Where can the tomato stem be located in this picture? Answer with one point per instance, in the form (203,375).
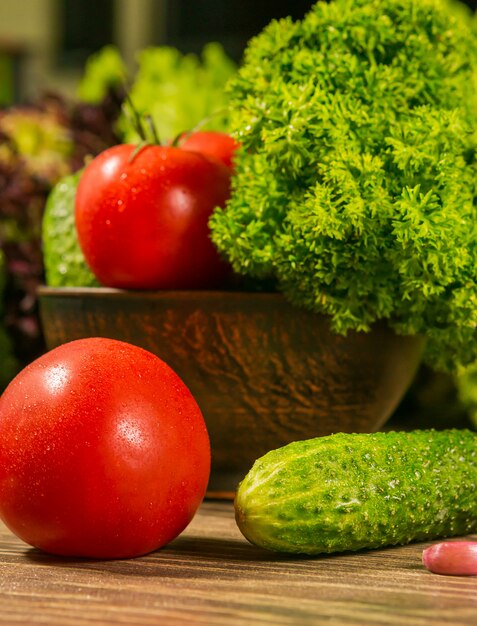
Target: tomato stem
(153,130)
(137,150)
(175,141)
(135,119)
(206,120)
(197,127)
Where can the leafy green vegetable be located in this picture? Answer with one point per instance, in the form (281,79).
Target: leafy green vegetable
(39,137)
(179,91)
(356,187)
(39,144)
(103,71)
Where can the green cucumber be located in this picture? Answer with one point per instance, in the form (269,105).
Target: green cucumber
(65,265)
(358,491)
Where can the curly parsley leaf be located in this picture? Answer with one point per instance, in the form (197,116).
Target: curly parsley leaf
(356,185)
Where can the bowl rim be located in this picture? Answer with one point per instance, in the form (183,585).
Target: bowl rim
(267,299)
(45,291)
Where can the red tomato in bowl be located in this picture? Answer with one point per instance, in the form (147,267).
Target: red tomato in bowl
(103,451)
(219,145)
(142,217)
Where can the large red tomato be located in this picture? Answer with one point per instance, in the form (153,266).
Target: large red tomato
(142,217)
(103,451)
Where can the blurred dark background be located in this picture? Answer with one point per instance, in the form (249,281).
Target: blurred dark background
(232,23)
(185,24)
(46,42)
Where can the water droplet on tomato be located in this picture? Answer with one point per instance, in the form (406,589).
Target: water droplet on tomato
(56,378)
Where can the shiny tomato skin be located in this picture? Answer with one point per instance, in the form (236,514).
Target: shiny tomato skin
(104,452)
(218,145)
(142,218)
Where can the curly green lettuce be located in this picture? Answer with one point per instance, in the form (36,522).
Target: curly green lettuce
(356,184)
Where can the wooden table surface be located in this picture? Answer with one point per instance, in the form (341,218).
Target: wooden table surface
(211,575)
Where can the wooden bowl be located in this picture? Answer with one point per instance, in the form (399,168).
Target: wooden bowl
(263,372)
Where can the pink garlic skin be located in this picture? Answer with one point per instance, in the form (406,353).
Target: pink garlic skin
(454,558)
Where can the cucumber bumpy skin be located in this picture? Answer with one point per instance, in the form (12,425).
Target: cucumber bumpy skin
(358,491)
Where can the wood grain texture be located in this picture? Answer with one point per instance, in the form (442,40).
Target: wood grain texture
(211,576)
(263,372)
